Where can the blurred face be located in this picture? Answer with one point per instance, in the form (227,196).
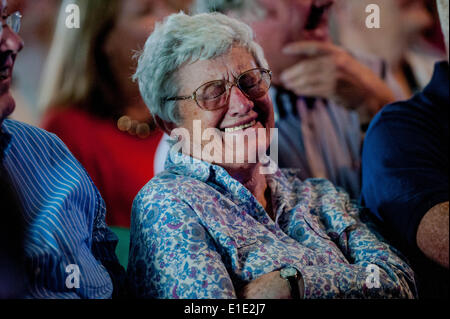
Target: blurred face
(239,117)
(289,21)
(10,45)
(135,22)
(402,22)
(38,26)
(414,17)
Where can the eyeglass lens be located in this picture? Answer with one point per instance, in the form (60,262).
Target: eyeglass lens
(254,84)
(13,21)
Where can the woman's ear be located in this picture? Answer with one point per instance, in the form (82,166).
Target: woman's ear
(167,127)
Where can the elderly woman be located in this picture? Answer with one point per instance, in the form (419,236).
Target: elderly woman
(208,227)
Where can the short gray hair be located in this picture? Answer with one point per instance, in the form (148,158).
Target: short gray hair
(182,39)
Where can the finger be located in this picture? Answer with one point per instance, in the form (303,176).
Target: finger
(310,48)
(307,68)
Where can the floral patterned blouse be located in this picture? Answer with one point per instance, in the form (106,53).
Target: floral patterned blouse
(198,233)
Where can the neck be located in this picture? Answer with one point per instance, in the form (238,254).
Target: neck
(248,176)
(255,182)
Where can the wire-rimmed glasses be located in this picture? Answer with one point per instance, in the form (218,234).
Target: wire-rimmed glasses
(214,95)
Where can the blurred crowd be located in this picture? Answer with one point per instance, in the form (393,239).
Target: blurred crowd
(78,83)
(409,41)
(87,81)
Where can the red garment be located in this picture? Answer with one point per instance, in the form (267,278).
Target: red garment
(119,164)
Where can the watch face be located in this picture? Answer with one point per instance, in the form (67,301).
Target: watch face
(288,272)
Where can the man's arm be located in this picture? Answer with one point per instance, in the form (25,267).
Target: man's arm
(374,269)
(104,243)
(405,179)
(433,234)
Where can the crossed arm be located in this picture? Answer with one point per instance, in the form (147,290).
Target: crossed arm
(177,258)
(363,247)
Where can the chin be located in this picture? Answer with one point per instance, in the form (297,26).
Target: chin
(244,155)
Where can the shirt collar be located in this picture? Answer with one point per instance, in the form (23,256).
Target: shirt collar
(219,178)
(185,165)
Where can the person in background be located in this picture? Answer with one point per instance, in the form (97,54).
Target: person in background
(93,105)
(322,95)
(405,176)
(63,212)
(36,31)
(399,41)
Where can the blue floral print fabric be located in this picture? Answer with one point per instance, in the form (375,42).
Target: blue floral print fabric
(198,233)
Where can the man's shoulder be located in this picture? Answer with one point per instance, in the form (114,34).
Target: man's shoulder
(413,115)
(37,146)
(400,108)
(29,133)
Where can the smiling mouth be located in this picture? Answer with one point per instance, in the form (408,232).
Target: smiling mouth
(240,127)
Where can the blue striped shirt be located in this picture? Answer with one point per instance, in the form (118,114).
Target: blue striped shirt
(64,217)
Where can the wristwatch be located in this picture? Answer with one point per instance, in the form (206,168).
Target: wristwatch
(292,276)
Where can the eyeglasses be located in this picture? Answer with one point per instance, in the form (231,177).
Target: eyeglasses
(13,21)
(214,95)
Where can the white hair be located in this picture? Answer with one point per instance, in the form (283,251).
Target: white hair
(182,39)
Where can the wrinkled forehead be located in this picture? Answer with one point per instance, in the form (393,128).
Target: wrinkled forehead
(224,67)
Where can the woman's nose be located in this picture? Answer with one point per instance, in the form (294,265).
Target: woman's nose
(10,41)
(239,103)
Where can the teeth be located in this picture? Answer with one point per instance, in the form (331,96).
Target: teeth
(240,127)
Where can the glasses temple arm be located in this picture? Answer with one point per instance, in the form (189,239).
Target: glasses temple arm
(180,98)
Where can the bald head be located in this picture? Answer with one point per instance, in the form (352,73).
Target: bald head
(443,15)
